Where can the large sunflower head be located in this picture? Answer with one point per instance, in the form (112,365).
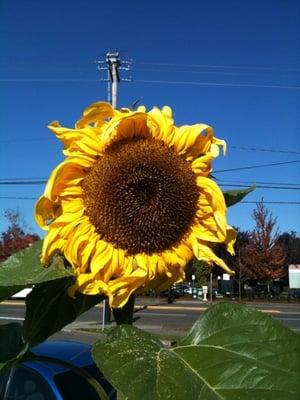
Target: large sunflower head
(133,201)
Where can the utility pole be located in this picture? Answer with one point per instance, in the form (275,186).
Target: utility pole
(113,65)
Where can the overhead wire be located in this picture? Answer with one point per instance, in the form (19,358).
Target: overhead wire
(262,186)
(255,166)
(264,68)
(257,182)
(263,149)
(197,83)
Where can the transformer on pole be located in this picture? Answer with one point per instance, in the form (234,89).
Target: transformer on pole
(113,67)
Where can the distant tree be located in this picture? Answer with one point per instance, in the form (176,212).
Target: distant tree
(14,238)
(291,244)
(237,261)
(201,271)
(264,257)
(242,240)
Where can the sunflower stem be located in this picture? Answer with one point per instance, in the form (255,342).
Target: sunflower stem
(124,315)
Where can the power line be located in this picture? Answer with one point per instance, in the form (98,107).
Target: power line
(269,202)
(194,83)
(23,182)
(196,72)
(18,198)
(215,84)
(256,166)
(213,66)
(264,149)
(263,186)
(71,80)
(257,182)
(267,68)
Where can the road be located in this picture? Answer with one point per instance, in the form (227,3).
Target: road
(153,315)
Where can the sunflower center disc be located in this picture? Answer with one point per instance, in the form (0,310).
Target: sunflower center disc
(141,196)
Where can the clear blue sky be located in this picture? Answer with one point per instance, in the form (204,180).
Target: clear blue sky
(232,64)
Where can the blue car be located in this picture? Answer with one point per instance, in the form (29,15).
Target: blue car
(44,380)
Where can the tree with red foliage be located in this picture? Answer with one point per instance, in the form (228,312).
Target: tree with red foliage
(14,238)
(264,257)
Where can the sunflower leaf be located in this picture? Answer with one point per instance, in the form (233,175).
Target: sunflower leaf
(232,353)
(12,346)
(49,308)
(234,196)
(24,269)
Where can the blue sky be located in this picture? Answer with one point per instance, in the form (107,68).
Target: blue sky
(231,64)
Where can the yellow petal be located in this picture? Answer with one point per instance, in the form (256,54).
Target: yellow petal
(102,256)
(205,253)
(45,211)
(51,244)
(202,165)
(161,124)
(132,126)
(212,190)
(187,136)
(85,141)
(79,238)
(230,240)
(60,177)
(207,233)
(96,113)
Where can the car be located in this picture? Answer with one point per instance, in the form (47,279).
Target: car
(295,294)
(65,377)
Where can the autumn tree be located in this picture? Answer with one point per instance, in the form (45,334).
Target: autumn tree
(14,238)
(264,257)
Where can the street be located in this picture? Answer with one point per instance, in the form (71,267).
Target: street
(152,314)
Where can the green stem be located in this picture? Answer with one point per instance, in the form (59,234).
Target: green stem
(124,315)
(80,371)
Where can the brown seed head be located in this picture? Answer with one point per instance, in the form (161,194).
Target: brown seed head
(141,196)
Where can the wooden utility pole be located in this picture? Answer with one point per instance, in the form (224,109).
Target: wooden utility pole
(113,65)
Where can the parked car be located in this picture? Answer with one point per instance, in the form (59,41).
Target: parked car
(295,294)
(44,380)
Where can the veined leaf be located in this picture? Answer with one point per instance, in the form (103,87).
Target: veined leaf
(12,345)
(24,269)
(234,196)
(232,353)
(49,308)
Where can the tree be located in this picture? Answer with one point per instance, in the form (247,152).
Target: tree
(264,257)
(201,271)
(291,244)
(14,238)
(236,262)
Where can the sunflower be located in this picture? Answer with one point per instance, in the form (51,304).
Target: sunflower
(133,201)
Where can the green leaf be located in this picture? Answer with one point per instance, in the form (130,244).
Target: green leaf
(232,353)
(128,360)
(49,308)
(24,269)
(234,196)
(12,345)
